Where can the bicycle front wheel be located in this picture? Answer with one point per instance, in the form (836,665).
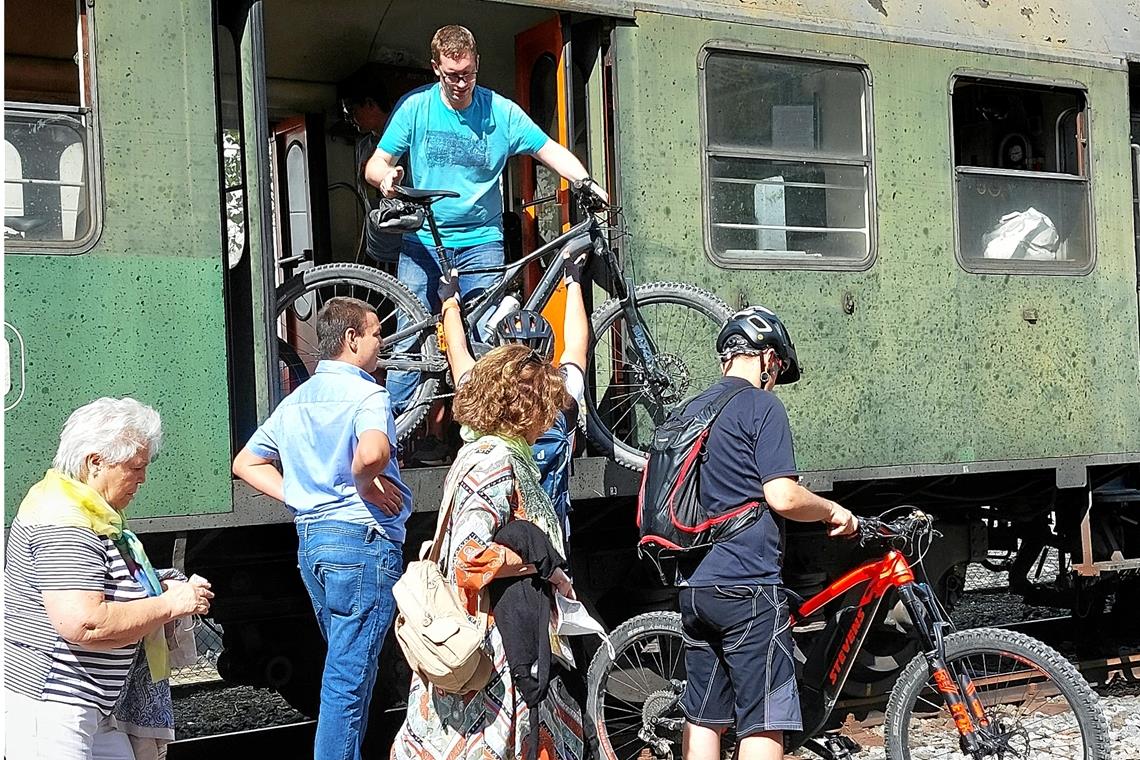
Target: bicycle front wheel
(624,403)
(1037,706)
(300,297)
(634,697)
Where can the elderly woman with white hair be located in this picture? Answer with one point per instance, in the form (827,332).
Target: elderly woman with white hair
(81,594)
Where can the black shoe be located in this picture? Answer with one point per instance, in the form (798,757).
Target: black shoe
(431,451)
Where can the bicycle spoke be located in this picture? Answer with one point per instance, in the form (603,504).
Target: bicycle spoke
(302,297)
(682,336)
(1028,715)
(655,653)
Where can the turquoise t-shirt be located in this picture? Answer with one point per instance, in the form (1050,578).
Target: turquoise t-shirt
(465,151)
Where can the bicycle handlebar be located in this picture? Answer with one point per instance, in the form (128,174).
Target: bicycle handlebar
(899,533)
(584,193)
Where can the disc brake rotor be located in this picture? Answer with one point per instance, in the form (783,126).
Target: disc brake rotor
(676,370)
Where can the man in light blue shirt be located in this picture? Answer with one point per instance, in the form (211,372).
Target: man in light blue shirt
(458,137)
(334,438)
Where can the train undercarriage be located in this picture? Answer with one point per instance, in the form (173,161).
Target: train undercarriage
(1020,523)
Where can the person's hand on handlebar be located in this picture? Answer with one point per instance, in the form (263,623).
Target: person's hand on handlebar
(596,189)
(391,178)
(841,522)
(588,187)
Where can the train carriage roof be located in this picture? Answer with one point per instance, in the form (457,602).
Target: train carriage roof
(1102,31)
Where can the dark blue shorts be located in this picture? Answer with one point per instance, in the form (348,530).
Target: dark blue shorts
(738,659)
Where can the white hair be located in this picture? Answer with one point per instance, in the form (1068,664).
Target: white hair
(114,428)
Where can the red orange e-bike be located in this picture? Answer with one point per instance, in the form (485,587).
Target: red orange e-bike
(976,693)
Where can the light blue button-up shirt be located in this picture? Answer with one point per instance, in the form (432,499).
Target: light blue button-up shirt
(314,432)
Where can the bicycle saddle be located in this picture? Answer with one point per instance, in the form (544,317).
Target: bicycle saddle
(415,194)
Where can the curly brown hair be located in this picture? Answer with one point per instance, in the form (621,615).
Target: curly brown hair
(511,391)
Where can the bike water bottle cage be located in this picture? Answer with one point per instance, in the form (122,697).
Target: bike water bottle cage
(528,328)
(396,216)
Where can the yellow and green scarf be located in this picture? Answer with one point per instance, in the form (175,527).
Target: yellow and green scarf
(65,502)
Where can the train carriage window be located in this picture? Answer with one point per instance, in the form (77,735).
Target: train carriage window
(232,146)
(1021,177)
(787,154)
(49,183)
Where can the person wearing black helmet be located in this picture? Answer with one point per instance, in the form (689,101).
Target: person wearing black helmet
(738,644)
(554,448)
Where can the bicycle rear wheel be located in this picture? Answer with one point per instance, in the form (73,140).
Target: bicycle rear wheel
(622,409)
(1036,703)
(300,297)
(633,698)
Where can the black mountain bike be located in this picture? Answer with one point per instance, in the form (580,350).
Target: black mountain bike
(978,693)
(652,344)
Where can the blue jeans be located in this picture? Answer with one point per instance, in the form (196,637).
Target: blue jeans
(349,570)
(419,270)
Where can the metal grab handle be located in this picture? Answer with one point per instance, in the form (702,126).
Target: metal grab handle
(305,255)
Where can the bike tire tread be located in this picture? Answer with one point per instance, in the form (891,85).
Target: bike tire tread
(649,622)
(689,295)
(372,278)
(1082,698)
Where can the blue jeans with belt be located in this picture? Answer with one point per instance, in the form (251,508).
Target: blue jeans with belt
(419,270)
(349,570)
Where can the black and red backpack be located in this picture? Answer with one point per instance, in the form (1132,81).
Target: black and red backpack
(672,521)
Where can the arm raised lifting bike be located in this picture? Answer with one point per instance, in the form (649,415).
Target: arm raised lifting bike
(652,344)
(978,693)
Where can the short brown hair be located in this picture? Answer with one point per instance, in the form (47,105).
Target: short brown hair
(511,391)
(453,41)
(334,319)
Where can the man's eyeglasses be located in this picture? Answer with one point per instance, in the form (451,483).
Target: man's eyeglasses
(457,78)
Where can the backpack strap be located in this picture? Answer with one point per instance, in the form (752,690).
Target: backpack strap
(717,405)
(451,485)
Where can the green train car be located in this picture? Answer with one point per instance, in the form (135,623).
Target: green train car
(940,200)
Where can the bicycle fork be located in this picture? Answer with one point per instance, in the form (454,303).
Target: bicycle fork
(657,381)
(956,689)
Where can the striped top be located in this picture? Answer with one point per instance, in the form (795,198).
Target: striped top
(38,662)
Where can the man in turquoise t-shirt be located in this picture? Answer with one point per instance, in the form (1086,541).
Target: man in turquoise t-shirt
(458,137)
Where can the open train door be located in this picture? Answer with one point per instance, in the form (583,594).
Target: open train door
(542,89)
(302,229)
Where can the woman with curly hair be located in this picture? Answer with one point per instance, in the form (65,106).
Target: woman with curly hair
(511,397)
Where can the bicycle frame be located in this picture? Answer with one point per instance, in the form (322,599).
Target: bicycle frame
(833,655)
(486,301)
(586,233)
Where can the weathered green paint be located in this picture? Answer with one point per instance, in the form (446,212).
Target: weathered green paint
(1104,30)
(141,314)
(936,365)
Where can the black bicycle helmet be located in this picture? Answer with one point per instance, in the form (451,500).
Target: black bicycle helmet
(528,328)
(397,216)
(754,329)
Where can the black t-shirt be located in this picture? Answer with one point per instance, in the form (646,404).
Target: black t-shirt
(750,443)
